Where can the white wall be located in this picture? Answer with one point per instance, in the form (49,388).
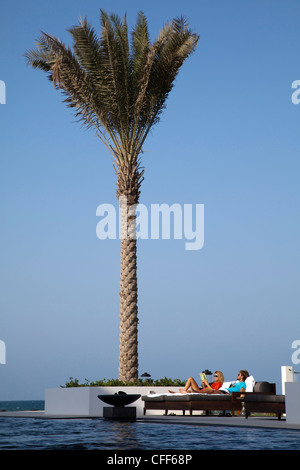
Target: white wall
(292,402)
(84,401)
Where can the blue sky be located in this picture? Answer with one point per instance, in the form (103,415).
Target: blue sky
(228,139)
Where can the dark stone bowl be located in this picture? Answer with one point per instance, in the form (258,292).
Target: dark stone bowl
(118,399)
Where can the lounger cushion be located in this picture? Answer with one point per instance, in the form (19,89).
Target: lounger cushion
(187,397)
(227,385)
(263,387)
(250,382)
(181,397)
(153,398)
(212,397)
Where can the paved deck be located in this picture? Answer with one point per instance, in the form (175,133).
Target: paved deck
(236,421)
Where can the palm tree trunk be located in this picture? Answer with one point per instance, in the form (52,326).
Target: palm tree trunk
(128,359)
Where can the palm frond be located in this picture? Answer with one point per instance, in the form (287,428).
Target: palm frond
(87,48)
(76,85)
(123,70)
(173,48)
(140,44)
(112,65)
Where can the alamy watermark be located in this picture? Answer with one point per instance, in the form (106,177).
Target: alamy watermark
(296,353)
(2,92)
(160,221)
(296,94)
(2,352)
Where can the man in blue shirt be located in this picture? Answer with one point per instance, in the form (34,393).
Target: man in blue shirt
(239,386)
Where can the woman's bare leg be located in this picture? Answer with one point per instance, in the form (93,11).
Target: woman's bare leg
(190,386)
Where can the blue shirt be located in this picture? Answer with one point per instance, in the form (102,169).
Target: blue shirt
(236,387)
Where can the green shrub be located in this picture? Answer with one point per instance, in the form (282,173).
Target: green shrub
(165,382)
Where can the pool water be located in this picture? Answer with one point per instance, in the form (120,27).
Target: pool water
(99,434)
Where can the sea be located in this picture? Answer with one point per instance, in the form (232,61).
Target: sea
(23,405)
(99,434)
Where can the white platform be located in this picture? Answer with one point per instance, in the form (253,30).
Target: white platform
(292,402)
(84,401)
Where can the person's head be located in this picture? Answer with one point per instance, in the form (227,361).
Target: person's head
(219,377)
(243,374)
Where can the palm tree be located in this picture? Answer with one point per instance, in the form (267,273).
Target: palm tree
(118,84)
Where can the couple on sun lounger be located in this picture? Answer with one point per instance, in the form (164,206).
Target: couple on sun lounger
(191,385)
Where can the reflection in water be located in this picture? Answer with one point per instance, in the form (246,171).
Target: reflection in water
(119,435)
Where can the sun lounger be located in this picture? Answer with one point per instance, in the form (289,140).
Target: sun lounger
(263,403)
(263,398)
(192,402)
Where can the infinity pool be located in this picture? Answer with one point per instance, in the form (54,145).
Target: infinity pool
(99,434)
